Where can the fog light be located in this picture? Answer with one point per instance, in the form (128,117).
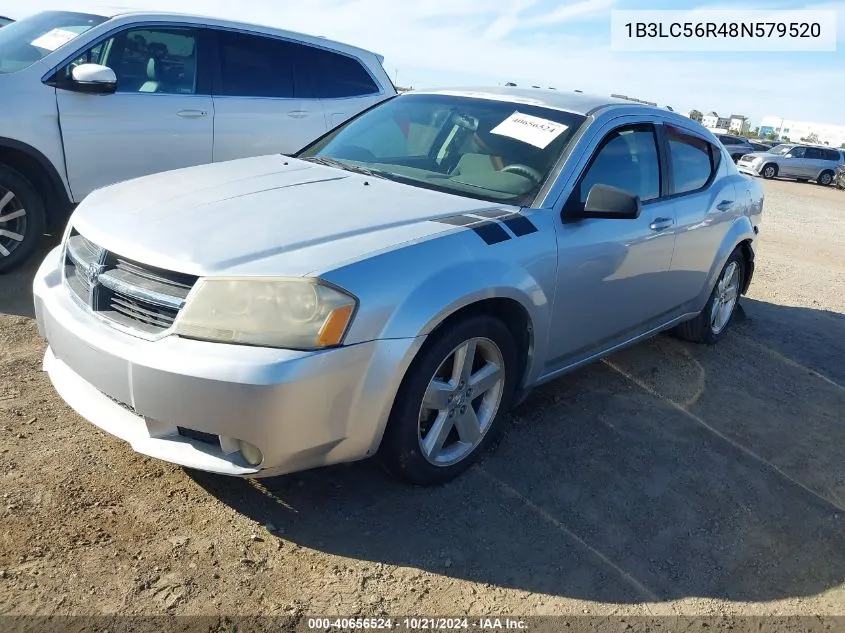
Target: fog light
(252,454)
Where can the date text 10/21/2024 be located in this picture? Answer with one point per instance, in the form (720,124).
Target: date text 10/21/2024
(416,623)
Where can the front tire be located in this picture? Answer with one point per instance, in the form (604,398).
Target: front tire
(22,219)
(769,171)
(450,405)
(714,320)
(825,178)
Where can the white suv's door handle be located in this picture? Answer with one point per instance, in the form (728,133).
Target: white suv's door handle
(724,205)
(298,114)
(661,224)
(192,114)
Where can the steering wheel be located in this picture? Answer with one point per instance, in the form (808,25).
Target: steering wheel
(524,170)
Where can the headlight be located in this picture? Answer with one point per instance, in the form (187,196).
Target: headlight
(270,312)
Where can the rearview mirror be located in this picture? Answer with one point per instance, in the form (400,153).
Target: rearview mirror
(93,79)
(605,201)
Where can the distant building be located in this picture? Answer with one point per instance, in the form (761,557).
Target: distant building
(735,123)
(712,121)
(827,133)
(739,124)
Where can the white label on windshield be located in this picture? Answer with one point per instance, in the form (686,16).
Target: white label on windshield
(53,39)
(530,129)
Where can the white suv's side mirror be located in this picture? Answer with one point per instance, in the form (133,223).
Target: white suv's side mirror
(93,78)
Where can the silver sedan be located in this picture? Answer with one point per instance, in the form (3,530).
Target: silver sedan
(394,288)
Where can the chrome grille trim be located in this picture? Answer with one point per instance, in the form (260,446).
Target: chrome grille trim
(118,282)
(139,299)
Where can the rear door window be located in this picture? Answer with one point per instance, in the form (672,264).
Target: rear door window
(255,66)
(693,160)
(334,75)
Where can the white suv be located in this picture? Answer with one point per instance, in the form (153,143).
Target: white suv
(89,100)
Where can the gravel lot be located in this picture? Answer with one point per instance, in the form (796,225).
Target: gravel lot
(671,478)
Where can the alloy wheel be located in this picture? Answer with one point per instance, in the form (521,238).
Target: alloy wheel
(461,401)
(825,179)
(727,294)
(12,222)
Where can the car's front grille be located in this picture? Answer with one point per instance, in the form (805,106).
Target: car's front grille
(134,295)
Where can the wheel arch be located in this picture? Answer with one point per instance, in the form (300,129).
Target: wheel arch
(826,170)
(773,164)
(509,311)
(740,235)
(42,174)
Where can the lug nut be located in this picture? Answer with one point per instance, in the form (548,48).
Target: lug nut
(463,409)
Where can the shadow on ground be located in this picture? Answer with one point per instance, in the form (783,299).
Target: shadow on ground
(670,470)
(16,286)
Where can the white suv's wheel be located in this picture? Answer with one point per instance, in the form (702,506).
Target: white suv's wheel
(21,219)
(769,171)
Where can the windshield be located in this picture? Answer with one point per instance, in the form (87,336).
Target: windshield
(780,149)
(29,40)
(480,148)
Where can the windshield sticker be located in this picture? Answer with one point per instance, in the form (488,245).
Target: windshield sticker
(530,129)
(53,39)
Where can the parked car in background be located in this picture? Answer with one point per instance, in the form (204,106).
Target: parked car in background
(788,160)
(88,100)
(396,286)
(4,21)
(736,145)
(761,147)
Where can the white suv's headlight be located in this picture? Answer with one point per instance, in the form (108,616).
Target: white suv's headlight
(270,312)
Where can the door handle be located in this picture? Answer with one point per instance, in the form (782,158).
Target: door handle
(192,114)
(661,224)
(724,205)
(298,114)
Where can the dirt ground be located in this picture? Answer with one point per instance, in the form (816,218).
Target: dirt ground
(670,479)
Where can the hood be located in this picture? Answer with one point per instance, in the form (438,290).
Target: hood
(229,217)
(757,155)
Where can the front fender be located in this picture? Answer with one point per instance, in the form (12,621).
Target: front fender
(448,290)
(409,291)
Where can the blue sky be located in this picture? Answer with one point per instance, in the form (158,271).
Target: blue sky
(565,44)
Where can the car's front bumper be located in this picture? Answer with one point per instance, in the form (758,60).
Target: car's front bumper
(747,168)
(301,409)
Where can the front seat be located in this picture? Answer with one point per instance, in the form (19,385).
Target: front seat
(152,84)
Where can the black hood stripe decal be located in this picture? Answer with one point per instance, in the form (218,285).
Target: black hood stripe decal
(492,230)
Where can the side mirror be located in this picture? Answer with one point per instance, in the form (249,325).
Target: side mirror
(93,79)
(605,201)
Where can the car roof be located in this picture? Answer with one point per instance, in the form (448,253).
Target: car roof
(113,12)
(575,102)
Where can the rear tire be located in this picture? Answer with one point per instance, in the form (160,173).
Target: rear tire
(825,178)
(444,418)
(769,171)
(715,319)
(22,219)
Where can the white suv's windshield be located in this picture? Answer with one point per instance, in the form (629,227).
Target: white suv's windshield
(29,40)
(480,148)
(780,149)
